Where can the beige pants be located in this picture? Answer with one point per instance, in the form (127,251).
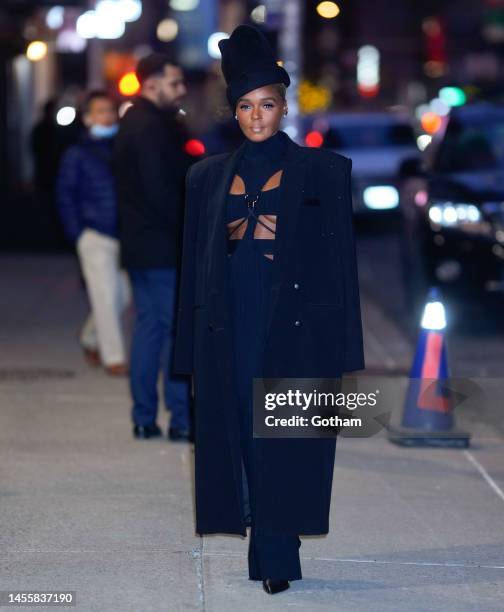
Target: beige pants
(109,294)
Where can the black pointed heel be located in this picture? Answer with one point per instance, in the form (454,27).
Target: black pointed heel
(275,586)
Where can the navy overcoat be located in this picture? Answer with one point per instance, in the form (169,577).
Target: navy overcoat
(313,330)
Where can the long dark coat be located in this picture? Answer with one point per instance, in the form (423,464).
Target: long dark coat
(314,330)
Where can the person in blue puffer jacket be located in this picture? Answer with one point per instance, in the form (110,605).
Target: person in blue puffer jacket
(87,204)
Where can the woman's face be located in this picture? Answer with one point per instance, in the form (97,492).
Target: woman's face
(259,112)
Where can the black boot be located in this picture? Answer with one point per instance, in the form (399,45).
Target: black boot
(275,586)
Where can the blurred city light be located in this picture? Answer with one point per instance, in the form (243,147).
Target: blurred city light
(449,213)
(66,115)
(439,106)
(36,50)
(194,147)
(452,96)
(109,22)
(184,5)
(423,141)
(129,10)
(368,71)
(421,196)
(431,122)
(328,10)
(381,197)
(313,97)
(213,46)
(421,109)
(86,25)
(435,46)
(167,30)
(129,85)
(258,15)
(314,139)
(55,17)
(68,41)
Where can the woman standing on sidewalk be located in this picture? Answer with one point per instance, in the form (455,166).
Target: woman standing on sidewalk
(269,289)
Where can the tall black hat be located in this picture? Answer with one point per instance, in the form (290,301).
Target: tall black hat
(248,62)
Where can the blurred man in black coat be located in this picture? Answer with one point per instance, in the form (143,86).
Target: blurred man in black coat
(151,166)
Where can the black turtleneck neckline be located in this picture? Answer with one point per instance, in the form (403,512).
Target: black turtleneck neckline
(271,148)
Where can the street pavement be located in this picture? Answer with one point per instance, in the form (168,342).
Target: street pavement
(84,507)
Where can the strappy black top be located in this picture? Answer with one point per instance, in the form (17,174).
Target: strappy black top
(260,161)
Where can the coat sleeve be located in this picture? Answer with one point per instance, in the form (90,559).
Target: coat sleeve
(183,354)
(67,194)
(354,351)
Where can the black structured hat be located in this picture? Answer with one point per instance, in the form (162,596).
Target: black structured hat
(248,62)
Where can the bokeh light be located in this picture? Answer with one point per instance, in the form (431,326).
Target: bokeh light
(328,9)
(314,139)
(431,122)
(36,50)
(258,15)
(66,115)
(184,5)
(55,17)
(452,96)
(213,44)
(129,85)
(423,141)
(167,30)
(194,147)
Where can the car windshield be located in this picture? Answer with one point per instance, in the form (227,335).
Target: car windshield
(369,136)
(476,144)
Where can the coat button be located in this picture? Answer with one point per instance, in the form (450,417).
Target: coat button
(296,285)
(297,323)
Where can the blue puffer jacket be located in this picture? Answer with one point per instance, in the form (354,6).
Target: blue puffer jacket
(85,188)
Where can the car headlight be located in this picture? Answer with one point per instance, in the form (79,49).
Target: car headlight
(449,214)
(381,197)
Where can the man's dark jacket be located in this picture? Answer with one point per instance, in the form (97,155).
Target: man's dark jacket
(85,188)
(150,168)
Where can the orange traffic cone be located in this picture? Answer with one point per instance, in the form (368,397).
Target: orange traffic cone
(428,418)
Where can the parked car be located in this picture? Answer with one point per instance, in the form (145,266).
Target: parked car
(377,143)
(452,204)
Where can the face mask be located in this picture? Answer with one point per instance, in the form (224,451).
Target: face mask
(104,131)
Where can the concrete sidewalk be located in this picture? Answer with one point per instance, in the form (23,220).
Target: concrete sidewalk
(86,508)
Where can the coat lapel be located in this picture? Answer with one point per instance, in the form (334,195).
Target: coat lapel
(291,193)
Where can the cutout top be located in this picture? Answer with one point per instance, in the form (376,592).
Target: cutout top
(253,217)
(238,185)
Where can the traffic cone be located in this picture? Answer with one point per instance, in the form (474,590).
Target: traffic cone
(428,418)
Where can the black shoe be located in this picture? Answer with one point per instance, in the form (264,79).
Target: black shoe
(275,586)
(147,431)
(180,435)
